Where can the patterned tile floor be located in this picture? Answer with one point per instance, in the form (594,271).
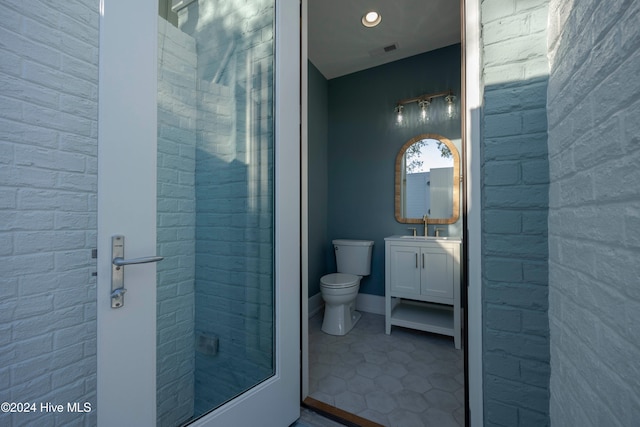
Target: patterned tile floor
(406,379)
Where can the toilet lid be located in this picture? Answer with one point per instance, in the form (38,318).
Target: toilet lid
(339,280)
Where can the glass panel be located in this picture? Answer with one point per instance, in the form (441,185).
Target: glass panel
(215,204)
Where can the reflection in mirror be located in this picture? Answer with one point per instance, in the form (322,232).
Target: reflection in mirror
(428,181)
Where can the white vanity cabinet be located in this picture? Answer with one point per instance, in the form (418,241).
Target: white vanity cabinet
(422,284)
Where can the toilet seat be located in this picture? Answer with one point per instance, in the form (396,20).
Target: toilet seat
(339,280)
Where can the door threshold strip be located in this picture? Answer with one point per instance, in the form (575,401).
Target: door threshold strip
(337,414)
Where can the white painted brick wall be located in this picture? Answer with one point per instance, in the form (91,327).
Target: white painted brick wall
(594,215)
(48,173)
(514,212)
(176,224)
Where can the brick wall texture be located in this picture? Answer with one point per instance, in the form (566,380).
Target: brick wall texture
(234,198)
(560,210)
(176,223)
(515,180)
(220,137)
(594,212)
(48,176)
(215,208)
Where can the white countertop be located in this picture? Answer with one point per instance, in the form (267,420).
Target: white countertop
(424,238)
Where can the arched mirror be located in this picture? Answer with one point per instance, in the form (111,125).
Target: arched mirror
(428,181)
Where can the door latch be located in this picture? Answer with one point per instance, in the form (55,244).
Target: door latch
(117,269)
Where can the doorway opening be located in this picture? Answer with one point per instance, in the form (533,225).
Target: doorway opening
(466,193)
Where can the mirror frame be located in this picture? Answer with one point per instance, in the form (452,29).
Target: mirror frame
(456,181)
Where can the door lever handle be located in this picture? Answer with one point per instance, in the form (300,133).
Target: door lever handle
(117,269)
(119,261)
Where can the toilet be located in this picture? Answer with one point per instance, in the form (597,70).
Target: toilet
(339,290)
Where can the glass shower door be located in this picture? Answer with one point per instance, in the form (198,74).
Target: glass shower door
(215,331)
(199,164)
(215,218)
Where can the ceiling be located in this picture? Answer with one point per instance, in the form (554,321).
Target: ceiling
(339,44)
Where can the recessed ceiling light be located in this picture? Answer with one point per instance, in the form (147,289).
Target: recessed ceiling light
(371,19)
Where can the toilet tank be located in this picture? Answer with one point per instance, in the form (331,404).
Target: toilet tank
(353,256)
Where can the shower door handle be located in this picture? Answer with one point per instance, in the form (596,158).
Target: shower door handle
(117,269)
(121,262)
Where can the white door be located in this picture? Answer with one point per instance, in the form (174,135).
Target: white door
(199,163)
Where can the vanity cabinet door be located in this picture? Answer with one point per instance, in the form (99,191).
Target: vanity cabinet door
(405,269)
(437,272)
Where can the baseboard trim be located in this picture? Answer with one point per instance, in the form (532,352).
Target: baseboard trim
(316,304)
(370,303)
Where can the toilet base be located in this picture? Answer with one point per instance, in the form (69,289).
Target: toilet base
(354,318)
(340,319)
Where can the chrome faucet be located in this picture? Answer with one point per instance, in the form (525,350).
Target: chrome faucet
(425,218)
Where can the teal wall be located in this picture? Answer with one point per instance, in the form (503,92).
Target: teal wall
(318,180)
(361,147)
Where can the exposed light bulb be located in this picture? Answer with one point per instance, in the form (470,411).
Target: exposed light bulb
(451,108)
(424,110)
(399,116)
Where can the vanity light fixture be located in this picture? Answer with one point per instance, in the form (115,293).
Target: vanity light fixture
(425,101)
(371,19)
